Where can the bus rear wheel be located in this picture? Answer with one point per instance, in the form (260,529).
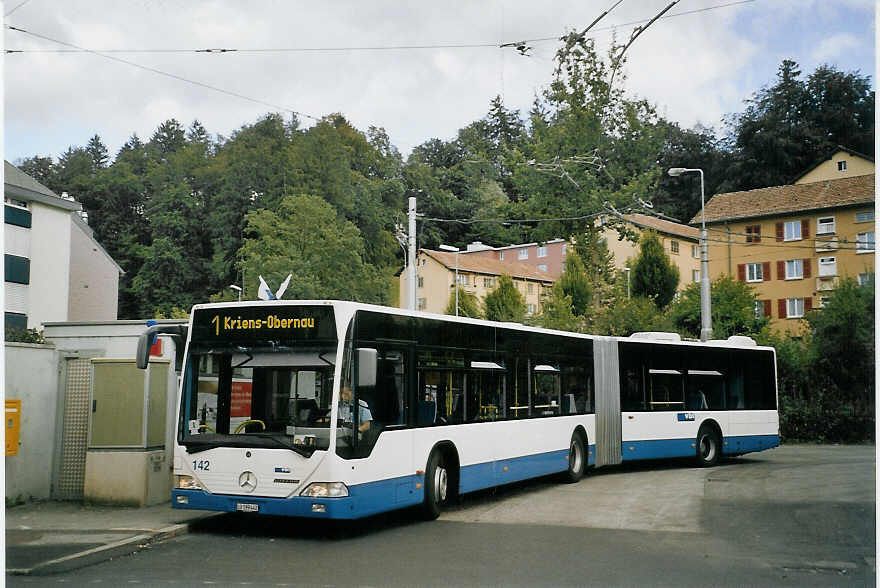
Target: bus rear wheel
(708,447)
(577,459)
(436,486)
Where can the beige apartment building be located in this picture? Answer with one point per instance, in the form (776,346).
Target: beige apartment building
(681,243)
(794,243)
(436,276)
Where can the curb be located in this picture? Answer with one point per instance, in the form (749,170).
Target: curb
(102,553)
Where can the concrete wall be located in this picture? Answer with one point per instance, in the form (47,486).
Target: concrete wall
(50,265)
(32,376)
(94,279)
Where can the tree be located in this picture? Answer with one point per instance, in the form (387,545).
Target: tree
(654,276)
(790,125)
(468,304)
(842,342)
(98,152)
(304,237)
(505,302)
(557,311)
(733,310)
(626,316)
(39,168)
(575,283)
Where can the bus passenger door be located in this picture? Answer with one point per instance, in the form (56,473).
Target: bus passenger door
(391,410)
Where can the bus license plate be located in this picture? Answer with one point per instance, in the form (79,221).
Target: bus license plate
(245,507)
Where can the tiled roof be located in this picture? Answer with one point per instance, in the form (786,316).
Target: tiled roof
(794,198)
(663,226)
(492,267)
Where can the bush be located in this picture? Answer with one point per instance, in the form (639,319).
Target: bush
(25,336)
(826,421)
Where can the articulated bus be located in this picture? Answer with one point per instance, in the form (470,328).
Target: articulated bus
(344,410)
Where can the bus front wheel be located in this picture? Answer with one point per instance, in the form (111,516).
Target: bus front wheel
(708,447)
(436,486)
(577,459)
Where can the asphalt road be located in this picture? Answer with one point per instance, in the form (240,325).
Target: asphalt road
(796,516)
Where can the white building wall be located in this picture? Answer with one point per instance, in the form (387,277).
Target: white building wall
(94,280)
(50,265)
(32,376)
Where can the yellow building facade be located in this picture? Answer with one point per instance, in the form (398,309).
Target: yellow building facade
(680,242)
(793,244)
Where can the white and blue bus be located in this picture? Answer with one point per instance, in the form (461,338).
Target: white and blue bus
(344,410)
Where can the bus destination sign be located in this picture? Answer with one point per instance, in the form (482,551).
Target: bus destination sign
(267,323)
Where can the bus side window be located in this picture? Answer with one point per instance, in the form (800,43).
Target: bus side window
(577,397)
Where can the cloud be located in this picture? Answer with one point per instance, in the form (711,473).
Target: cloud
(836,46)
(695,68)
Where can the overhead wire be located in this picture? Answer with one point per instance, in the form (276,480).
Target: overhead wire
(426,46)
(167,74)
(16,8)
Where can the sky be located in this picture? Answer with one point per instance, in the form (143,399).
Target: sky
(697,64)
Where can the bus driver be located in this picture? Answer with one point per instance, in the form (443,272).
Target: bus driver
(365,417)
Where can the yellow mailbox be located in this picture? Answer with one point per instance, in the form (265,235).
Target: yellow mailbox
(13,425)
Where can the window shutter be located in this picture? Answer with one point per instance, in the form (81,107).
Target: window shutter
(807,270)
(741,272)
(805,229)
(766,269)
(756,238)
(767,308)
(808,303)
(781,305)
(780,231)
(780,270)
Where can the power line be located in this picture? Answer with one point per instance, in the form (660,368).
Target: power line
(16,8)
(167,74)
(427,46)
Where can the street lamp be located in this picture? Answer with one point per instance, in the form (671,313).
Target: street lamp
(705,295)
(455,249)
(626,269)
(237,289)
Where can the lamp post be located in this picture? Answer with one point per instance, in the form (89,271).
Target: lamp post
(626,269)
(456,250)
(237,289)
(705,294)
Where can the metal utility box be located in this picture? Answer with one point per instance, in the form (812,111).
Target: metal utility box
(125,462)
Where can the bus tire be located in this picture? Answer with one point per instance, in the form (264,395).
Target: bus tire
(436,486)
(708,447)
(577,459)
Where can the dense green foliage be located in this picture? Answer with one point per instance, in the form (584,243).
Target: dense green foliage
(733,309)
(654,276)
(468,304)
(505,302)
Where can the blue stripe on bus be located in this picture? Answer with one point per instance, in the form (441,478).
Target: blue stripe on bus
(666,448)
(749,443)
(383,495)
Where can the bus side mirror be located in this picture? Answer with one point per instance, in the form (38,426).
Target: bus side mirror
(145,341)
(367,362)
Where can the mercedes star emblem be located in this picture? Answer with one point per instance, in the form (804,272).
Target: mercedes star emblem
(247,481)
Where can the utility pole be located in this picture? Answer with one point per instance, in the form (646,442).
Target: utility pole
(411,253)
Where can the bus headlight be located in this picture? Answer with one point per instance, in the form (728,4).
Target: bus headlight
(186,483)
(325,490)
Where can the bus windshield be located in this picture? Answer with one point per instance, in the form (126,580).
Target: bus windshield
(253,396)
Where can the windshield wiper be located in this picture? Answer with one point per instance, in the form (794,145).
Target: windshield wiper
(301,450)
